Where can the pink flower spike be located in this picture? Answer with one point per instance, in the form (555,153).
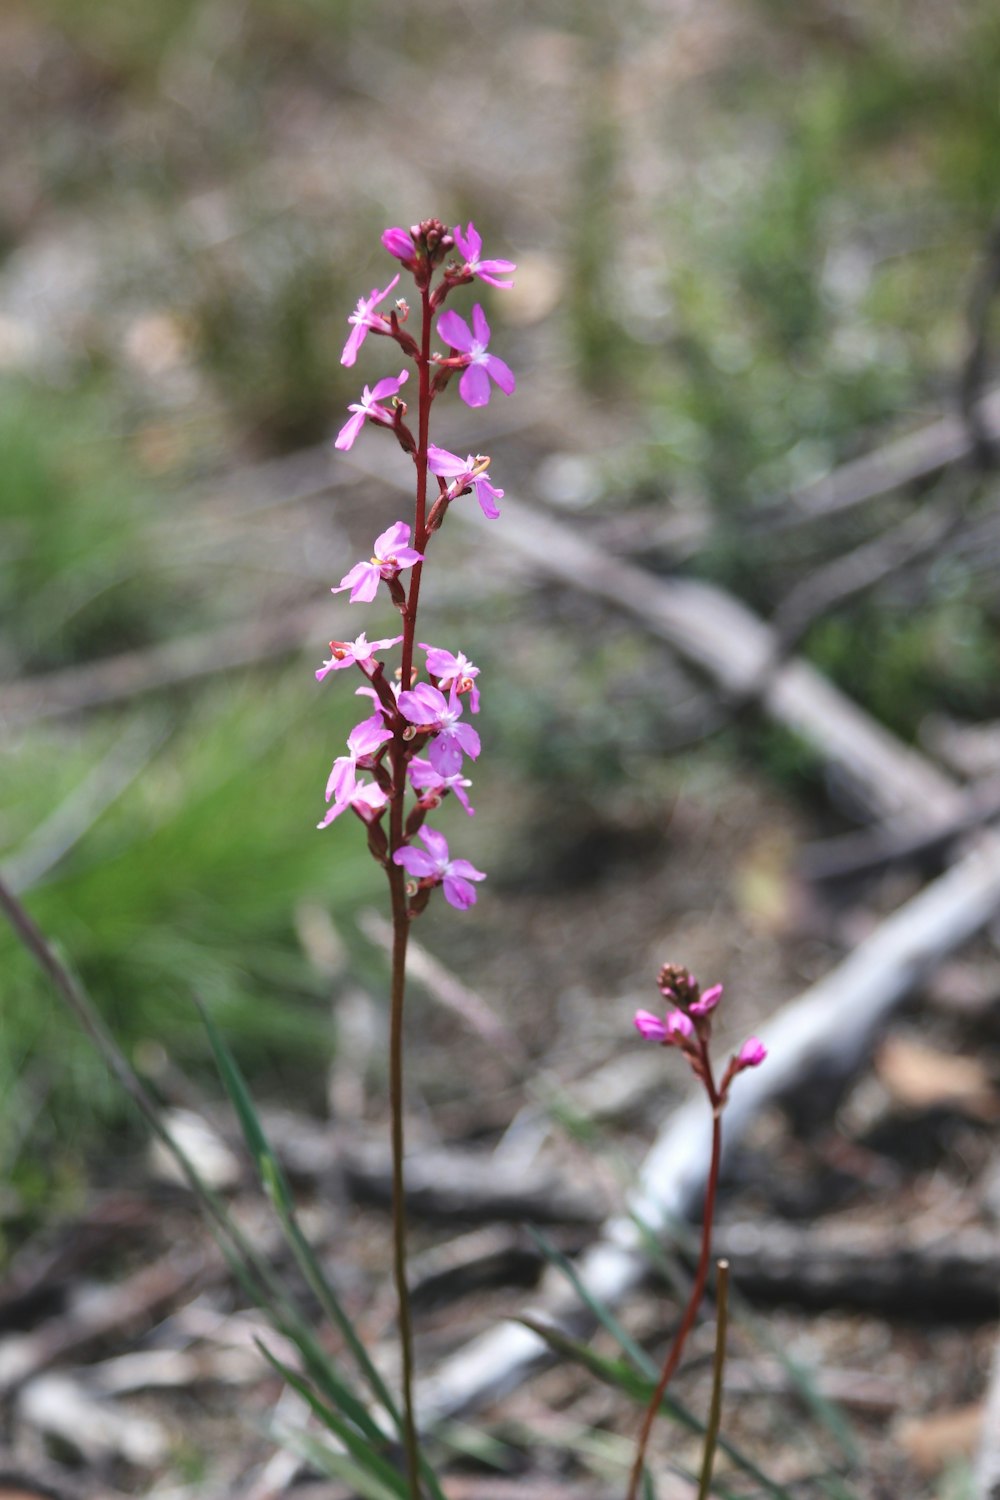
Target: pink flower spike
(469,245)
(360,652)
(709,1000)
(437,868)
(363,318)
(751,1054)
(390,555)
(399,242)
(368,407)
(480,365)
(650,1027)
(366,800)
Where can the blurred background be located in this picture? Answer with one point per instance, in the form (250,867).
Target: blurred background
(747,234)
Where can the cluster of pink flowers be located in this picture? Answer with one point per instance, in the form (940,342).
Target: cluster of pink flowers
(417,737)
(688,1025)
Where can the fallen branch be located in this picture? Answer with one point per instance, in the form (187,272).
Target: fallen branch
(117,678)
(904,461)
(955,1274)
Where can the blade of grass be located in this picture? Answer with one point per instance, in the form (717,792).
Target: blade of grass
(355,1444)
(276,1186)
(247,1265)
(622,1377)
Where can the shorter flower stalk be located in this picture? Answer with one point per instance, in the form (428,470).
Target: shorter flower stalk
(687,1025)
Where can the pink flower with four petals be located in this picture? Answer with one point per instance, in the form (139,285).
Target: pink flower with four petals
(368,407)
(435,867)
(466,473)
(469,244)
(364,318)
(389,555)
(480,365)
(428,709)
(360,652)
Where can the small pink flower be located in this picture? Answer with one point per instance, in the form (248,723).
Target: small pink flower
(368,407)
(469,245)
(390,554)
(480,365)
(426,780)
(360,652)
(452,671)
(430,711)
(362,742)
(466,473)
(366,799)
(751,1054)
(708,1001)
(436,868)
(363,318)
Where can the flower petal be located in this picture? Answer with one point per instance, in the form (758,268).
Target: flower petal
(480,327)
(454,331)
(502,373)
(474,386)
(436,845)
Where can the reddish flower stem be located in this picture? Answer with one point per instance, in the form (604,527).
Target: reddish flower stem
(401,924)
(673,1358)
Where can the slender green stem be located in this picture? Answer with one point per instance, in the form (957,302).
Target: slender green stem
(719,1364)
(673,1358)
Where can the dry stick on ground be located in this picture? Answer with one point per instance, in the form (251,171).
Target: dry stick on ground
(866,850)
(117,678)
(905,461)
(825,1033)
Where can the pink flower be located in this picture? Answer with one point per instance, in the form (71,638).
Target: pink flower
(671,1031)
(480,366)
(366,800)
(751,1054)
(708,1001)
(426,780)
(368,407)
(363,318)
(427,708)
(436,868)
(469,245)
(452,671)
(360,652)
(363,740)
(399,242)
(466,473)
(389,555)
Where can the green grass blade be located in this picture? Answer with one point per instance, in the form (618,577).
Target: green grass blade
(640,1359)
(617,1373)
(276,1186)
(353,1441)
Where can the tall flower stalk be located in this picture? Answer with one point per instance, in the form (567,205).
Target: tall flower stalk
(415,743)
(687,1025)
